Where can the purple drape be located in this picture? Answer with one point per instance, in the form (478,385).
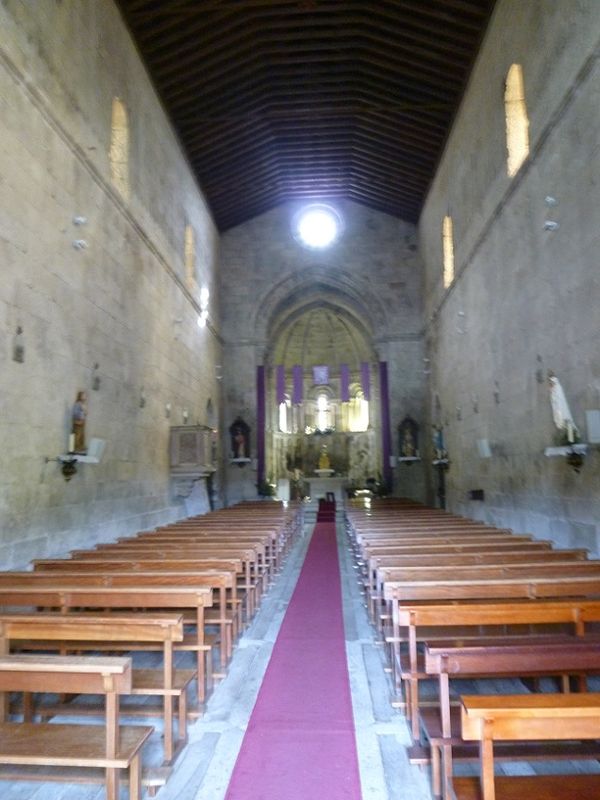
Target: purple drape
(365,379)
(386,441)
(344,383)
(298,387)
(280,383)
(260,424)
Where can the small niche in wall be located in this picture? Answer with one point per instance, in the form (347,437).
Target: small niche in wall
(19,346)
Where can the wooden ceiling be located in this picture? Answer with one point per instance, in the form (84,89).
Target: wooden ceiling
(278,100)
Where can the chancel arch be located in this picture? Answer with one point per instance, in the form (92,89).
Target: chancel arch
(323,410)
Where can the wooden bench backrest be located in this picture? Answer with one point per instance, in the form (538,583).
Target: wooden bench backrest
(487,557)
(533,612)
(432,530)
(491,660)
(443,547)
(203,547)
(585,586)
(213,542)
(90,627)
(74,577)
(134,562)
(199,550)
(485,571)
(459,538)
(90,596)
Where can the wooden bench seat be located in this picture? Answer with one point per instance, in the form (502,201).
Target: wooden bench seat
(111,746)
(523,718)
(538,656)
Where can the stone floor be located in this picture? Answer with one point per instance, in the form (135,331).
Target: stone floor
(202,771)
(381,733)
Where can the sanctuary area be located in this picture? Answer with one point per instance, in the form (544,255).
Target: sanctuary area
(300,330)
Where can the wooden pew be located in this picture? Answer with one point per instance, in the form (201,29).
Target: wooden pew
(110,747)
(270,540)
(213,580)
(146,562)
(525,718)
(261,560)
(397,593)
(477,546)
(484,565)
(253,552)
(585,586)
(78,632)
(481,549)
(251,556)
(418,622)
(534,657)
(67,597)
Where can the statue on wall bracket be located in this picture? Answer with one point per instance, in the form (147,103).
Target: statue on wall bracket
(408,435)
(78,417)
(240,441)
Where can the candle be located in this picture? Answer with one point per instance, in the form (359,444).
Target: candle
(570,437)
(71,442)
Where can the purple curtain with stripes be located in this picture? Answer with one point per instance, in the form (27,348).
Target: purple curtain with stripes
(344,383)
(365,379)
(386,440)
(298,385)
(280,383)
(260,424)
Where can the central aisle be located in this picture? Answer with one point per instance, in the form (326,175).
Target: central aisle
(300,740)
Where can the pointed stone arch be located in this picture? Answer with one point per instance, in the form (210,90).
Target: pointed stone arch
(296,292)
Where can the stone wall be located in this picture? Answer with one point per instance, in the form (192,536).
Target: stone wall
(120,302)
(525,299)
(373,269)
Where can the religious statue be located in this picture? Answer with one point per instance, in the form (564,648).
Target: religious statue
(409,438)
(240,443)
(78,416)
(408,444)
(439,448)
(240,439)
(561,413)
(324,462)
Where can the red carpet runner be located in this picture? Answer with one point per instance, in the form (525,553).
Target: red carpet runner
(300,742)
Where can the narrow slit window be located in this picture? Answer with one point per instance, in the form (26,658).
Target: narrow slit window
(448,251)
(517,121)
(119,147)
(190,257)
(285,416)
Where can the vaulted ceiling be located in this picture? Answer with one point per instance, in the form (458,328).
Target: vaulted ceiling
(278,100)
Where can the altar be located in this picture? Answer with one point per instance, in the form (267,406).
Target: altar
(319,487)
